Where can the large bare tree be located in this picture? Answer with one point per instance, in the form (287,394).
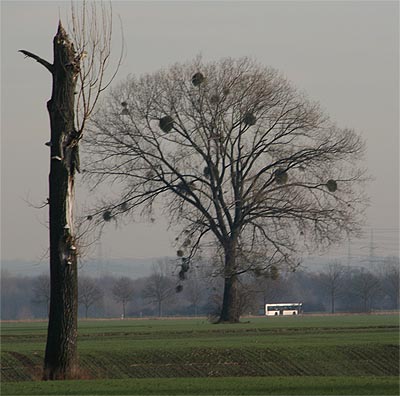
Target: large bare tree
(236,157)
(79,76)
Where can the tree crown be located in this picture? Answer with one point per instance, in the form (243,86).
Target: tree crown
(234,154)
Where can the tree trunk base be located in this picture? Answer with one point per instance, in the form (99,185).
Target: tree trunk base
(233,321)
(61,374)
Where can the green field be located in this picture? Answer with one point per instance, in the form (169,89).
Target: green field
(354,354)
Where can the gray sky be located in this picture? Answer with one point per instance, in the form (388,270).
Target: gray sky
(343,54)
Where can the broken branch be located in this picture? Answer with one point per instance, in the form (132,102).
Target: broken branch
(38,59)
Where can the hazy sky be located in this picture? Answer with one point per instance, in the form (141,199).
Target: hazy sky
(343,54)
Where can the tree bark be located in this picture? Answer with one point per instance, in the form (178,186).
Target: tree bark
(61,348)
(230,310)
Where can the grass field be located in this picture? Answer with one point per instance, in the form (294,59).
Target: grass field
(212,386)
(355,354)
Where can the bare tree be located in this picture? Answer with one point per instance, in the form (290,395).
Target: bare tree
(391,279)
(268,288)
(89,293)
(41,291)
(365,286)
(195,291)
(79,76)
(159,286)
(333,281)
(123,292)
(246,301)
(236,157)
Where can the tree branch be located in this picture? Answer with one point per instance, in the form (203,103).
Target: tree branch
(43,62)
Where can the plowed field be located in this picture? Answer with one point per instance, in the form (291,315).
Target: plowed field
(361,346)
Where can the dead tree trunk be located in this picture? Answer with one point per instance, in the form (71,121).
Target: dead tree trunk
(61,348)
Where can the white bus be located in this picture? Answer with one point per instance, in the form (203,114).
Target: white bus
(283,309)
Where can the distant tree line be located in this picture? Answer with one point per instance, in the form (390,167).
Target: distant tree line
(336,288)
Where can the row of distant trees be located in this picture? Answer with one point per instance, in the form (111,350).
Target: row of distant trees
(337,288)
